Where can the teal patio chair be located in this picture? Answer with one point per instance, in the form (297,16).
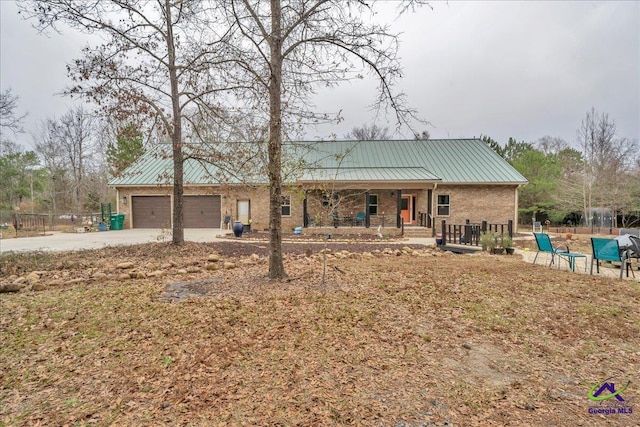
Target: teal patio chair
(604,249)
(544,245)
(360,218)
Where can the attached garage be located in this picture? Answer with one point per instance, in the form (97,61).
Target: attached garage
(155,211)
(201,211)
(151,211)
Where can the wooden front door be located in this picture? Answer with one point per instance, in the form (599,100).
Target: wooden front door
(405,209)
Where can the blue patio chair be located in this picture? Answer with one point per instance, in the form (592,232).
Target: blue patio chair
(360,218)
(544,245)
(604,249)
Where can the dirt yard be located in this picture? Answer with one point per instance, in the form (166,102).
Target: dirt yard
(394,336)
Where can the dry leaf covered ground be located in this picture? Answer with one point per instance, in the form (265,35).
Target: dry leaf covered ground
(157,335)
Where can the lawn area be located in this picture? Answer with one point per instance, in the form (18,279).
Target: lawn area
(157,335)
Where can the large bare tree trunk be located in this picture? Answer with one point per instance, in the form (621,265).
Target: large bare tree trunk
(276,267)
(176,136)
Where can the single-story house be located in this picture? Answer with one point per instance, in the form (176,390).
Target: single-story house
(331,183)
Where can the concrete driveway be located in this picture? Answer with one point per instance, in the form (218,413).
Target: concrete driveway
(59,241)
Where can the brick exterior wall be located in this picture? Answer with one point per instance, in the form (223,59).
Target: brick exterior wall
(494,203)
(258,197)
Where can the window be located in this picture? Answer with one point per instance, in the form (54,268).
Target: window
(443,205)
(373,204)
(286,205)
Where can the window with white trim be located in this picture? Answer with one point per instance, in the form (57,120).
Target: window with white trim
(285,206)
(443,205)
(373,204)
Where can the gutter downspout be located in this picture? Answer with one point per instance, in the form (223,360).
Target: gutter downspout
(517,201)
(433,206)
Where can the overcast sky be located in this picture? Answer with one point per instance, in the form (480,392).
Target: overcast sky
(502,69)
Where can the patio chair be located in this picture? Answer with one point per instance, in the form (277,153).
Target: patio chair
(633,252)
(360,218)
(635,247)
(604,249)
(544,245)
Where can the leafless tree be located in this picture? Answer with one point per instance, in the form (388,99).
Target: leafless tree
(149,57)
(368,133)
(422,136)
(287,49)
(75,134)
(607,164)
(10,121)
(68,149)
(49,151)
(551,145)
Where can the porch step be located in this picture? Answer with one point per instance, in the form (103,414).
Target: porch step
(414,231)
(461,249)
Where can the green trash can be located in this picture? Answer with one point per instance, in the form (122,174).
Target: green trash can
(117,220)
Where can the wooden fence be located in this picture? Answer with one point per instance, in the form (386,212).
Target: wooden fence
(30,223)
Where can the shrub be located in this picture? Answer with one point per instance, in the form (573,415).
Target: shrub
(488,240)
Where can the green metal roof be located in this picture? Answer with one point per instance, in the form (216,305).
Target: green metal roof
(456,161)
(469,161)
(466,161)
(155,167)
(369,174)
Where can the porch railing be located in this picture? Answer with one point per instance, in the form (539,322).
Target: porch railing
(348,221)
(424,219)
(469,233)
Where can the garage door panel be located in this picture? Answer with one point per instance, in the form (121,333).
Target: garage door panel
(151,211)
(201,211)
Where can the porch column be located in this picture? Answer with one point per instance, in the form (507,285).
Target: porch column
(367,218)
(305,217)
(430,208)
(398,209)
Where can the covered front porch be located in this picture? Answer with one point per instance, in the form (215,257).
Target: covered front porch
(384,206)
